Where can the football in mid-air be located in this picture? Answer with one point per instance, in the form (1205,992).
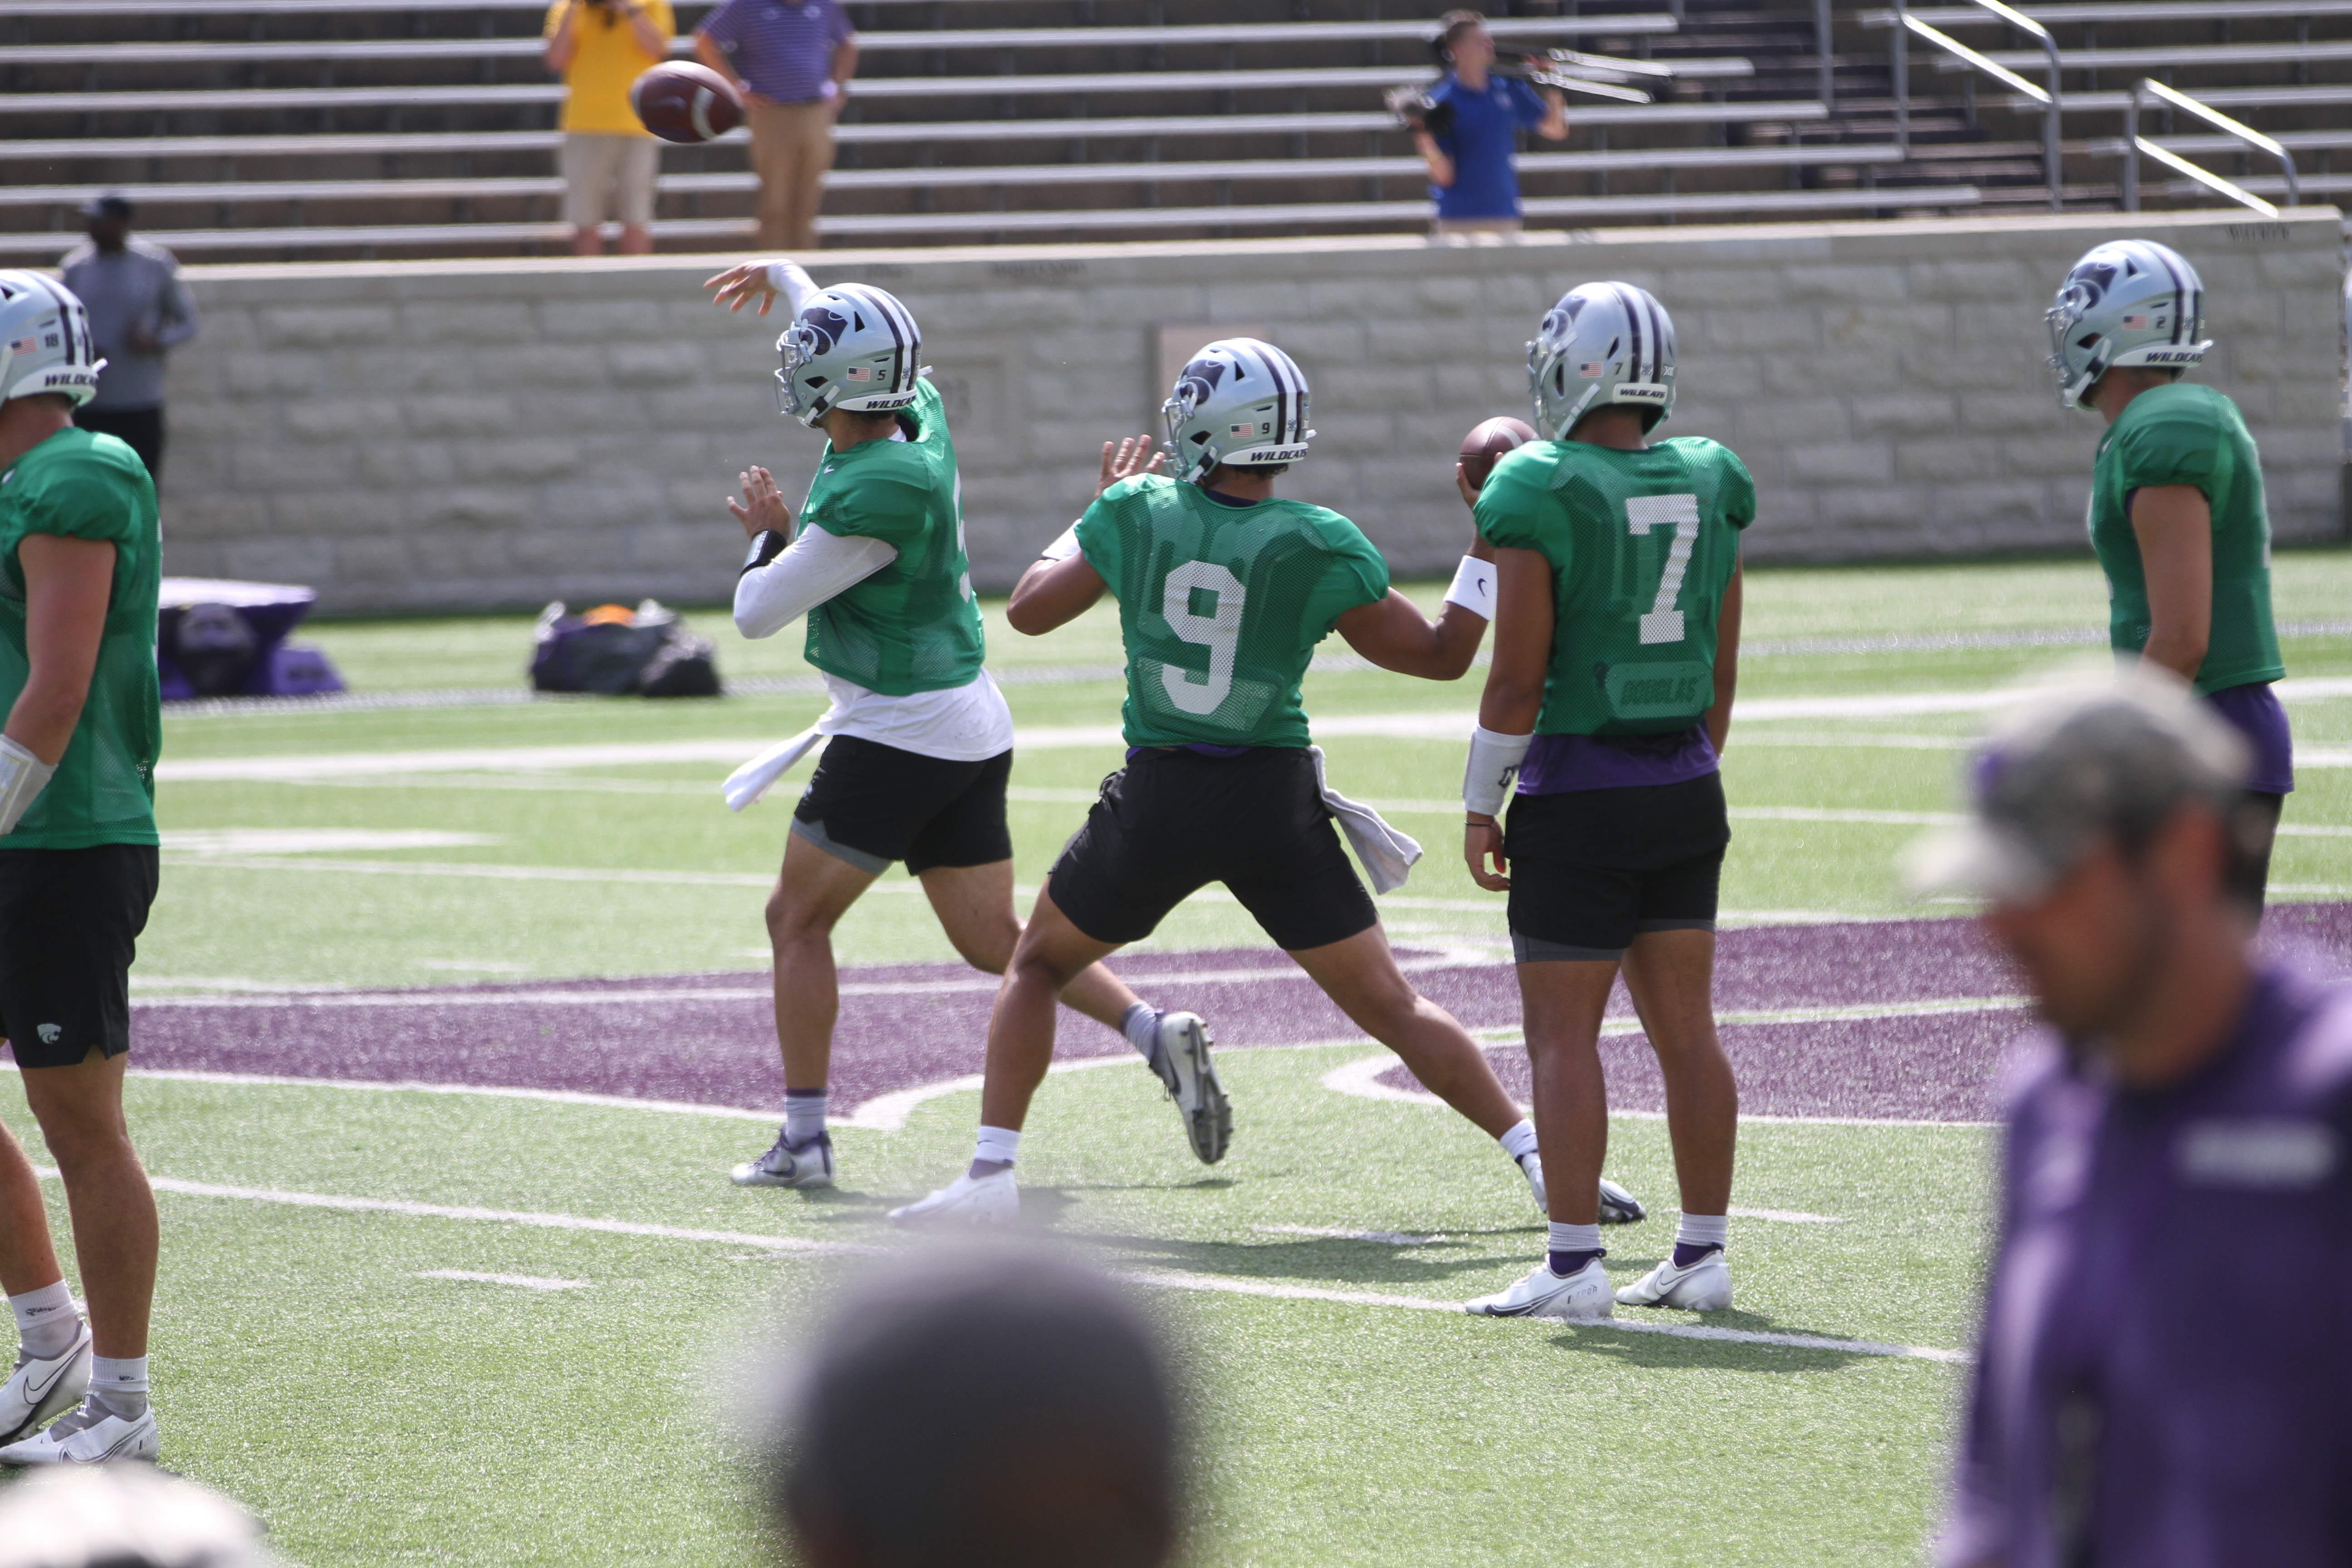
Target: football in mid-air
(679,100)
(1484,446)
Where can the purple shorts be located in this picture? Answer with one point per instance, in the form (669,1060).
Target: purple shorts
(2254,711)
(1562,764)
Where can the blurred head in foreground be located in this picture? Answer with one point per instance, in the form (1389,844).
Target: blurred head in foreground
(985,1407)
(123,1516)
(2107,840)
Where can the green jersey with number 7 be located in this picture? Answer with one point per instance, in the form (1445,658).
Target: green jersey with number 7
(1221,605)
(1641,546)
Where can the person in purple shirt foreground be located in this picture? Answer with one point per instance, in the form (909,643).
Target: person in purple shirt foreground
(2185,1118)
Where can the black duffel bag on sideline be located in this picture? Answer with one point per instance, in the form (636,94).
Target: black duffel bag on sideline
(612,652)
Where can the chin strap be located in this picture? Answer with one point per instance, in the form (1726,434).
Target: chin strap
(1494,761)
(22,777)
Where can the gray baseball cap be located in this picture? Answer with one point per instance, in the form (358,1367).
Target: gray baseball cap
(2075,767)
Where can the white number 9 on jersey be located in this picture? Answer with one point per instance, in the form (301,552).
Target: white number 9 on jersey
(1664,624)
(1220,632)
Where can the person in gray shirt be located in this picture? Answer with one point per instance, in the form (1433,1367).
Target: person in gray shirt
(138,311)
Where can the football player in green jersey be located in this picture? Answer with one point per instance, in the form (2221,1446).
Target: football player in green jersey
(1616,648)
(2177,513)
(1224,590)
(80,565)
(920,742)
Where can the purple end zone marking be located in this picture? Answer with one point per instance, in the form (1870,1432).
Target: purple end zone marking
(723,1051)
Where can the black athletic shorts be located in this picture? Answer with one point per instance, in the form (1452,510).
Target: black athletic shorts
(1171,821)
(1593,868)
(870,804)
(69,925)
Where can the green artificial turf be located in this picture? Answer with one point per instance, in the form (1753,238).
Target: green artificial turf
(373,1416)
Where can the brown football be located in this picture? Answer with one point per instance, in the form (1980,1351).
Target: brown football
(1484,447)
(679,100)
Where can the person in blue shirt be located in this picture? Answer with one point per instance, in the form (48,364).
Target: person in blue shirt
(1469,154)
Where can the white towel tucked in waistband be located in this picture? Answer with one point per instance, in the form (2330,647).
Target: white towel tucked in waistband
(753,779)
(1388,855)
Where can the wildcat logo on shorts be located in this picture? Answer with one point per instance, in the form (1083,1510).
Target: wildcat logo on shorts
(50,1032)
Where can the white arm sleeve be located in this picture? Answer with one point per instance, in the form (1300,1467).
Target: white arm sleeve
(1495,760)
(791,280)
(22,777)
(818,566)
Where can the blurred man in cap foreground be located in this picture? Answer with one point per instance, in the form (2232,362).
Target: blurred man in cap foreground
(124,1516)
(2163,1373)
(981,1406)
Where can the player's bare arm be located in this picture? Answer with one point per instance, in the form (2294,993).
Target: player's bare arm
(2174,526)
(1053,594)
(1727,662)
(66,583)
(1393,634)
(1515,690)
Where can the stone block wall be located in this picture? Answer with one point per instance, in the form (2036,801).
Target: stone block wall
(463,434)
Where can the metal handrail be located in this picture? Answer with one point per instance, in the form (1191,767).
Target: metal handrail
(1905,23)
(2134,144)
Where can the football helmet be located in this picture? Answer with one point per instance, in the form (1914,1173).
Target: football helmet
(45,341)
(1603,344)
(851,346)
(2127,303)
(1238,401)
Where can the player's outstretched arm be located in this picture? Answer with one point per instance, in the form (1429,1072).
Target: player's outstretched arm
(1393,634)
(761,280)
(2174,525)
(1053,593)
(1726,661)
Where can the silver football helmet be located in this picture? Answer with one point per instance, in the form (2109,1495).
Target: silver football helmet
(2127,303)
(1603,344)
(851,346)
(1238,401)
(45,341)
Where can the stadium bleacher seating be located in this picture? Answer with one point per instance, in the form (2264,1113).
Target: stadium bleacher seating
(261,129)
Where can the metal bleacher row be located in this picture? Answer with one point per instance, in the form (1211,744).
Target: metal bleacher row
(311,129)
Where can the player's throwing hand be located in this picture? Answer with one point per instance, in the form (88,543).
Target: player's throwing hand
(1128,461)
(763,509)
(740,284)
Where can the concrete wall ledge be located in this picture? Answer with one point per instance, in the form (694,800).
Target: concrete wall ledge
(441,435)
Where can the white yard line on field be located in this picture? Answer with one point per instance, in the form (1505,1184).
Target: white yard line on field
(527,1281)
(1159,1279)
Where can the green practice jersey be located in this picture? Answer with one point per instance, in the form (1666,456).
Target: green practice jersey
(85,486)
(2189,434)
(1220,607)
(913,626)
(1641,546)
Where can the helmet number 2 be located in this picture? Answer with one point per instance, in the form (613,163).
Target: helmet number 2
(1663,623)
(1220,632)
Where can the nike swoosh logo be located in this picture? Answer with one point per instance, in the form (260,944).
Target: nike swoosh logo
(64,1363)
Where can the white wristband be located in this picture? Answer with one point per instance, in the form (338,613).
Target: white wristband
(1064,546)
(1494,761)
(22,777)
(1473,587)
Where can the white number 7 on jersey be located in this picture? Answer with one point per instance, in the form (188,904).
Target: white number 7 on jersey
(1643,513)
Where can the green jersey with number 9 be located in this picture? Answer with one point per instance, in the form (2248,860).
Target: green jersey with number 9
(1641,546)
(914,625)
(1220,607)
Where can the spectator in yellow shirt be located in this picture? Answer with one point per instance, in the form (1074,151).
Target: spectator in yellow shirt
(600,47)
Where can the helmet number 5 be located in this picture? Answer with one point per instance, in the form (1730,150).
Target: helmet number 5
(1664,624)
(1220,632)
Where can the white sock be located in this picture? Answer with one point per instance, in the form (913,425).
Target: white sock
(46,1320)
(120,1383)
(997,1146)
(1519,1140)
(1703,1230)
(1558,1238)
(804,1115)
(1140,1024)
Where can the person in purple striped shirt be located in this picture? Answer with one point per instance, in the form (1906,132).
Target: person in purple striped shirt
(791,61)
(2164,1366)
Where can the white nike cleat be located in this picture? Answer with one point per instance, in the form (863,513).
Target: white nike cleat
(809,1165)
(90,1434)
(1581,1297)
(1618,1206)
(1184,1066)
(40,1389)
(1704,1287)
(970,1200)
